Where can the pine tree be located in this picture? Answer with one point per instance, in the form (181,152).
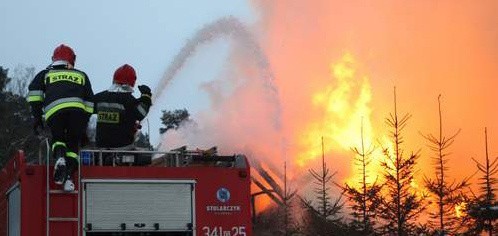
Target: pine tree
(174,119)
(16,131)
(278,219)
(4,80)
(287,200)
(400,205)
(446,195)
(483,210)
(324,219)
(21,77)
(363,199)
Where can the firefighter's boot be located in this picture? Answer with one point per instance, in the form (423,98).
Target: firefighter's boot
(60,171)
(72,165)
(69,185)
(60,165)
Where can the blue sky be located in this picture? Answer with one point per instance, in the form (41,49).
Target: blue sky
(107,34)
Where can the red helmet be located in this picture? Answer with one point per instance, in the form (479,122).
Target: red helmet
(125,75)
(64,53)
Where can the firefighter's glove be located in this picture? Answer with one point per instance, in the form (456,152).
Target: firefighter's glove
(144,89)
(38,125)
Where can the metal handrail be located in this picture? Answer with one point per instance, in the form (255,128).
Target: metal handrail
(47,163)
(130,151)
(118,151)
(79,197)
(175,158)
(40,151)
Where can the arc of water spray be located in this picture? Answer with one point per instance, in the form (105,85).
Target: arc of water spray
(230,26)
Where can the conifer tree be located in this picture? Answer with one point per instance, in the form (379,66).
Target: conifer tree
(325,207)
(400,204)
(446,195)
(363,199)
(174,119)
(16,131)
(484,207)
(323,218)
(288,197)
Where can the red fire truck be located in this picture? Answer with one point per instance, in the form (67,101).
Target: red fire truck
(179,192)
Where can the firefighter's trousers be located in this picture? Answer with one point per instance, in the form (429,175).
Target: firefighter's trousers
(68,127)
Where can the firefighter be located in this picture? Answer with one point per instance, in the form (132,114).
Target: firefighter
(118,112)
(63,95)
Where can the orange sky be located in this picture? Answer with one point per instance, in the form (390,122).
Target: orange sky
(337,61)
(424,48)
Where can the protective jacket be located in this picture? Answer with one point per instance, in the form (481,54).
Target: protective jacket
(58,88)
(118,112)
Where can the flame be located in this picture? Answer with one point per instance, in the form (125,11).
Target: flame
(289,41)
(419,191)
(461,209)
(263,201)
(344,107)
(414,184)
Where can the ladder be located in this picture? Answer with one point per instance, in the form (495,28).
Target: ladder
(57,224)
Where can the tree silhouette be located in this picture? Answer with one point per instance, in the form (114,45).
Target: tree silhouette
(21,78)
(174,119)
(15,118)
(446,195)
(323,219)
(278,219)
(484,207)
(364,199)
(325,207)
(400,205)
(287,200)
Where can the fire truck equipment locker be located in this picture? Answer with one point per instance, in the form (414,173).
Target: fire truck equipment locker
(138,205)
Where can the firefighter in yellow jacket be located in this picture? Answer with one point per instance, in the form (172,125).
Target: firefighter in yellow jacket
(63,95)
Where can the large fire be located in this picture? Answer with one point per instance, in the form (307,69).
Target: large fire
(344,106)
(423,48)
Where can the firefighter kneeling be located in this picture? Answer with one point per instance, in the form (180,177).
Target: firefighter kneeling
(118,112)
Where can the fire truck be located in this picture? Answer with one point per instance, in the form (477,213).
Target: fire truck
(129,192)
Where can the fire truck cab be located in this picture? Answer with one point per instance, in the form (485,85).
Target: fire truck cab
(129,192)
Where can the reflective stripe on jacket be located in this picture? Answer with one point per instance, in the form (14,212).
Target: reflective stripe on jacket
(57,88)
(117,113)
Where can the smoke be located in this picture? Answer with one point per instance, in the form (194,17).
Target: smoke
(424,48)
(244,113)
(232,27)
